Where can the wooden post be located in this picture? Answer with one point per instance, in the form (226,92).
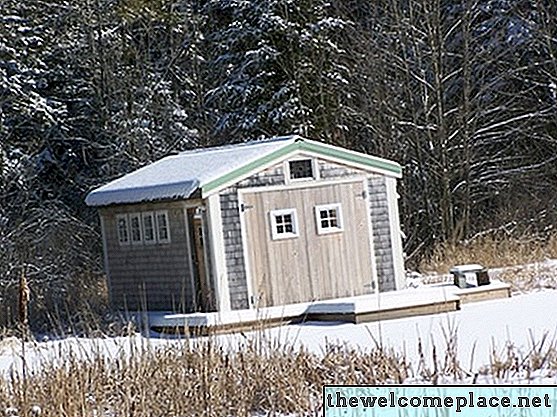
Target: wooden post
(24,296)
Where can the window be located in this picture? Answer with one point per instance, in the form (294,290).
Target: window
(143,228)
(122,229)
(135,229)
(284,224)
(329,218)
(300,169)
(163,231)
(148,227)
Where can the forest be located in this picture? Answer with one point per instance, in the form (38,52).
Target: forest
(462,93)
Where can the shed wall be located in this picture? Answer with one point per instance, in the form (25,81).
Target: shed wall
(152,276)
(232,234)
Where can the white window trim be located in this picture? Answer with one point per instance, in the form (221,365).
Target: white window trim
(334,206)
(153,225)
(165,214)
(314,169)
(118,218)
(278,236)
(137,216)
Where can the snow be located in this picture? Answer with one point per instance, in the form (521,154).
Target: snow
(358,305)
(179,176)
(481,328)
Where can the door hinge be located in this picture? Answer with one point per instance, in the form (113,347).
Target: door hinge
(244,207)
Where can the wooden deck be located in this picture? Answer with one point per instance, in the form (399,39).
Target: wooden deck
(435,299)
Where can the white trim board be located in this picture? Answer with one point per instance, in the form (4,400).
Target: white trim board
(218,259)
(252,302)
(190,258)
(396,238)
(297,185)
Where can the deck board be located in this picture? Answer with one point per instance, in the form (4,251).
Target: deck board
(434,299)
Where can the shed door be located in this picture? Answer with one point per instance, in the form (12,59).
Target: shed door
(320,262)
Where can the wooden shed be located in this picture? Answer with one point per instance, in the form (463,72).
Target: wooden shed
(259,224)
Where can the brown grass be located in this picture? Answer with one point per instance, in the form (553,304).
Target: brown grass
(196,379)
(528,278)
(203,378)
(490,251)
(540,358)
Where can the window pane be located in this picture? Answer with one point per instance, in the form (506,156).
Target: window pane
(148,229)
(136,229)
(283,224)
(122,230)
(162,226)
(329,218)
(301,169)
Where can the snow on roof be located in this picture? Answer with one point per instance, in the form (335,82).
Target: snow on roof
(179,176)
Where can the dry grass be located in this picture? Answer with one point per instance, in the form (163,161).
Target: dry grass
(195,379)
(202,378)
(490,251)
(539,359)
(528,278)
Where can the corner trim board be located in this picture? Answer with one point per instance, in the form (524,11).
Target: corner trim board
(218,262)
(396,238)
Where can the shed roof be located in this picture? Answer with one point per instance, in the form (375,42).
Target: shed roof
(210,169)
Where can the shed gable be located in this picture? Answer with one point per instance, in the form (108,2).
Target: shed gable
(310,149)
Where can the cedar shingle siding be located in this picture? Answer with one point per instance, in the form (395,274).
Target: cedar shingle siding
(155,276)
(236,268)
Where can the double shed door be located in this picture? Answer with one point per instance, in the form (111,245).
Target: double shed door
(310,266)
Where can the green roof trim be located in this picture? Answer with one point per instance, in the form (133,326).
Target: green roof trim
(210,186)
(350,157)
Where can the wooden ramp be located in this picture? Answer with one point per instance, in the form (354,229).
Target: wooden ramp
(439,298)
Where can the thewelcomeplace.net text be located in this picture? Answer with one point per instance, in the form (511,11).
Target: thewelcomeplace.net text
(340,399)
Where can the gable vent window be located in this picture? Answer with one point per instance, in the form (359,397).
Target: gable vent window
(284,224)
(122,229)
(329,218)
(301,169)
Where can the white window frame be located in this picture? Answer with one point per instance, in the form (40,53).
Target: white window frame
(314,170)
(128,236)
(131,218)
(275,235)
(157,228)
(340,221)
(144,215)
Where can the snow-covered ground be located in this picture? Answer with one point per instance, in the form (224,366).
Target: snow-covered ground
(480,328)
